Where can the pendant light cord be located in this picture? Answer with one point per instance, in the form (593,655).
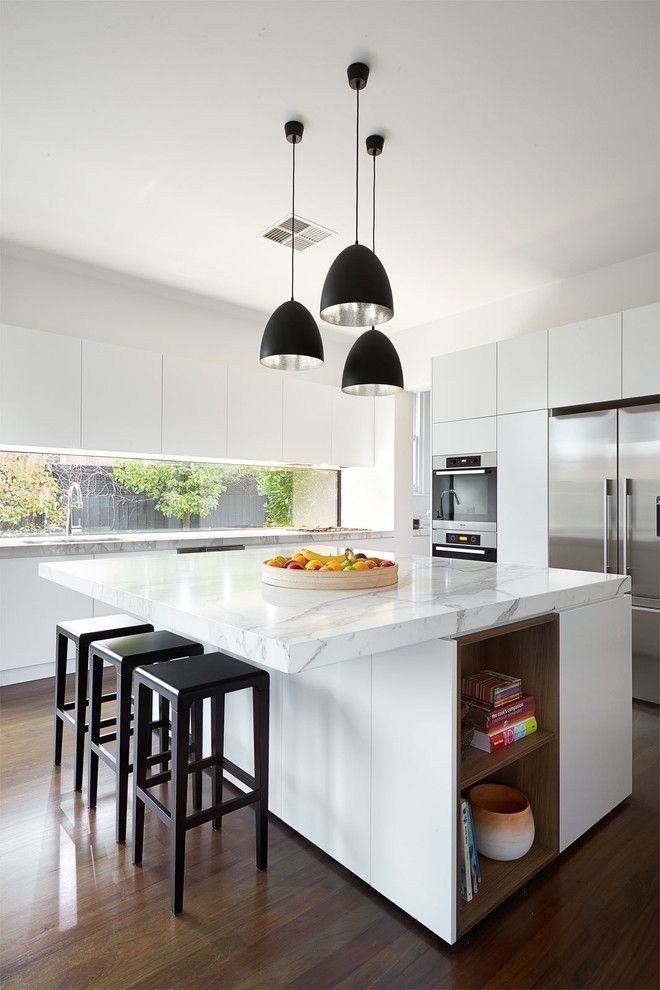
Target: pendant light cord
(293,209)
(357,156)
(373,210)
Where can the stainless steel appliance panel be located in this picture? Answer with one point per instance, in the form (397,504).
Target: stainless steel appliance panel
(582,508)
(646,654)
(639,488)
(464,491)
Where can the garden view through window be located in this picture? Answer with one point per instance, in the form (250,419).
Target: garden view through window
(120,495)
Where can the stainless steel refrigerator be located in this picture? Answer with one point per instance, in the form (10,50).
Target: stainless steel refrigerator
(604,514)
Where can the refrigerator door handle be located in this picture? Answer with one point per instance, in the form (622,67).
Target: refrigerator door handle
(627,492)
(606,535)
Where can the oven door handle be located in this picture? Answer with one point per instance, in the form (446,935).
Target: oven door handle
(464,471)
(447,549)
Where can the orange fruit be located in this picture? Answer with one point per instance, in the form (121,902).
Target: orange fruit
(360,565)
(274,563)
(300,559)
(334,565)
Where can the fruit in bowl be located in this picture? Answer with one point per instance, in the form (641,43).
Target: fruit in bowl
(309,560)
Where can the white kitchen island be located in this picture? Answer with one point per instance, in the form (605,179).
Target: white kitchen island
(365,730)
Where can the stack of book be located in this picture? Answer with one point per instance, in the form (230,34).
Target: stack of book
(470,870)
(497,709)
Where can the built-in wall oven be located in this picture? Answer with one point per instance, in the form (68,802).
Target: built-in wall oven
(464,504)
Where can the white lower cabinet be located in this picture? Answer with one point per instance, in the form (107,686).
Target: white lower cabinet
(522,488)
(30,608)
(595,725)
(326,756)
(413,786)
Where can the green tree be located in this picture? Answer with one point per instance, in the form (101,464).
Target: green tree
(180,490)
(277,486)
(28,491)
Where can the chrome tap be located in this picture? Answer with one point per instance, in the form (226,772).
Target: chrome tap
(74,500)
(448,491)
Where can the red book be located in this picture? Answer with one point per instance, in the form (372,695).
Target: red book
(486,718)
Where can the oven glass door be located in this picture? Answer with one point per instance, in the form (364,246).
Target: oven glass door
(468,497)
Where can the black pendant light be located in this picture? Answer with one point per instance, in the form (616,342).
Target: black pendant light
(291,340)
(356,291)
(373,366)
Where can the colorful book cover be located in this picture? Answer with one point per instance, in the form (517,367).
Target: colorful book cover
(491,687)
(466,873)
(475,869)
(491,742)
(486,718)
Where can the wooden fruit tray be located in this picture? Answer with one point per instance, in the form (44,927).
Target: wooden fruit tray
(378,577)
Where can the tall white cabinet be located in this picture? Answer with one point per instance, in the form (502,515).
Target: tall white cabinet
(522,488)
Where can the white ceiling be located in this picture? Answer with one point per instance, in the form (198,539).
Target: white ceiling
(522,140)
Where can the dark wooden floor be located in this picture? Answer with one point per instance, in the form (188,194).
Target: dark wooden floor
(76,914)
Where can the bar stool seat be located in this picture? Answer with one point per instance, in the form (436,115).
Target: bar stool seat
(185,684)
(125,654)
(82,632)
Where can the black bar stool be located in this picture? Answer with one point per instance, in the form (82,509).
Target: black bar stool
(125,655)
(82,632)
(186,683)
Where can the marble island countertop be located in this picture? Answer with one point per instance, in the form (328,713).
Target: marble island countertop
(220,599)
(83,544)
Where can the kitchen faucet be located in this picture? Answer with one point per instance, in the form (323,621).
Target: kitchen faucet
(447,491)
(74,500)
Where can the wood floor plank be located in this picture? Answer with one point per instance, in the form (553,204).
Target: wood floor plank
(77,914)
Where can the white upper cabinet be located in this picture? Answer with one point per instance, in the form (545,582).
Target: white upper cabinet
(522,488)
(522,373)
(121,398)
(469,436)
(194,407)
(641,351)
(307,422)
(464,384)
(39,388)
(254,414)
(352,430)
(584,362)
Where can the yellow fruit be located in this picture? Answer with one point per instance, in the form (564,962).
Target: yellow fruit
(274,563)
(333,565)
(321,558)
(281,559)
(313,565)
(300,559)
(360,565)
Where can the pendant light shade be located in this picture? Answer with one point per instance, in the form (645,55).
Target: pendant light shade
(372,366)
(291,340)
(357,291)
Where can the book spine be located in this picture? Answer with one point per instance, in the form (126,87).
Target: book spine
(512,733)
(474,856)
(486,720)
(466,872)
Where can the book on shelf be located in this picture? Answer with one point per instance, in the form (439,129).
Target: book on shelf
(466,872)
(487,718)
(493,688)
(490,742)
(475,869)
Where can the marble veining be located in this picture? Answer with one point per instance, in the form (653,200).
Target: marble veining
(220,599)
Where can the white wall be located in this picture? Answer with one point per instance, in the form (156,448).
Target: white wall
(44,292)
(605,290)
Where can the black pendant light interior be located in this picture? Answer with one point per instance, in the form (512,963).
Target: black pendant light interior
(291,340)
(357,291)
(372,365)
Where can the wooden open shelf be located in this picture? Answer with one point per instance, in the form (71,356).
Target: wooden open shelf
(476,764)
(529,649)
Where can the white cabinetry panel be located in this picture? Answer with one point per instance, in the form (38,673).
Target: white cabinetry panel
(352,430)
(194,407)
(39,388)
(595,699)
(464,384)
(307,422)
(327,759)
(30,608)
(522,488)
(522,373)
(413,789)
(254,414)
(641,351)
(121,398)
(584,362)
(470,436)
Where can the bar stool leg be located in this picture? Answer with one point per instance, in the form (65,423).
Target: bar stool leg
(164,734)
(80,716)
(95,693)
(124,684)
(197,712)
(260,708)
(179,764)
(60,685)
(218,744)
(143,716)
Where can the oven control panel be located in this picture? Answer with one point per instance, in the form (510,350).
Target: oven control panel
(473,460)
(469,539)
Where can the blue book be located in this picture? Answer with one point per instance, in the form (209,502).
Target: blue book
(475,869)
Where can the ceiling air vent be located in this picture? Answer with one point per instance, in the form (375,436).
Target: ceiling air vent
(305,233)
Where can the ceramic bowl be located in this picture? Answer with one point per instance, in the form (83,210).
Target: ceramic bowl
(503,821)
